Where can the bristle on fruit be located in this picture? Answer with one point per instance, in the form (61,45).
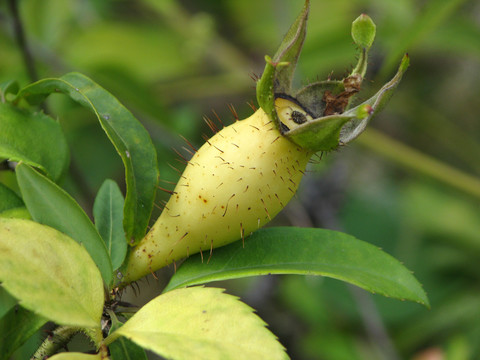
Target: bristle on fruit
(234,184)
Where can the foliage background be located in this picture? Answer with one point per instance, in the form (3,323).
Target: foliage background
(171,62)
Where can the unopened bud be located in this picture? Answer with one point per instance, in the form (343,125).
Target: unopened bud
(363,31)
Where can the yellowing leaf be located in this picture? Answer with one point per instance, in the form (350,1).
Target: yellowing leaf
(200,323)
(49,273)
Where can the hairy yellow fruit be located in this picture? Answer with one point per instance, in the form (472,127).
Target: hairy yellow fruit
(234,184)
(244,175)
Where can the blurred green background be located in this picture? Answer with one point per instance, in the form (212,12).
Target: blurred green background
(409,185)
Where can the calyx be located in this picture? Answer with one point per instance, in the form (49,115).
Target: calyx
(320,116)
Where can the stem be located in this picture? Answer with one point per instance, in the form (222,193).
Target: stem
(322,211)
(22,43)
(221,51)
(55,341)
(373,323)
(361,67)
(417,161)
(448,133)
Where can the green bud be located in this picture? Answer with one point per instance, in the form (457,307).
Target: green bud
(364,111)
(363,31)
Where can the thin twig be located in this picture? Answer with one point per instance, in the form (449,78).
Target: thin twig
(55,341)
(419,162)
(21,41)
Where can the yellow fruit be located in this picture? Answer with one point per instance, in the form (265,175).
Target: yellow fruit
(234,184)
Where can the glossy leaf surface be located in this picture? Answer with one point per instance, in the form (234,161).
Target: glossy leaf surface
(34,138)
(309,252)
(200,323)
(16,327)
(50,205)
(125,349)
(50,274)
(128,136)
(107,211)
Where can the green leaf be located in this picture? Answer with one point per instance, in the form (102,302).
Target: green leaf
(200,323)
(8,87)
(50,205)
(33,138)
(16,327)
(124,349)
(50,274)
(107,211)
(129,137)
(6,301)
(305,251)
(8,199)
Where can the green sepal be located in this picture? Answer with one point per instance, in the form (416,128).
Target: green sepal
(265,91)
(289,51)
(278,74)
(327,132)
(321,134)
(312,94)
(326,104)
(354,128)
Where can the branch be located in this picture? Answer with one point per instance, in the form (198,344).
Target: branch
(55,341)
(21,41)
(419,162)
